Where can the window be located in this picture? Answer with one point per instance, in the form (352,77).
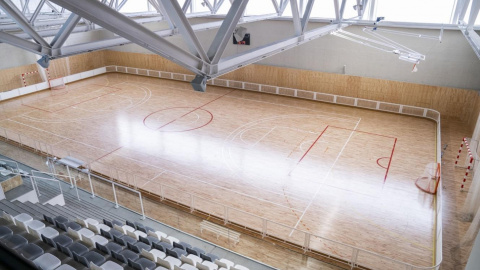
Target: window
(424,11)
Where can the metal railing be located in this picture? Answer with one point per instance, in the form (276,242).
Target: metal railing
(54,178)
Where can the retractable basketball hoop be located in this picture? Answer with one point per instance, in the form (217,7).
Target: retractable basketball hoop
(430,178)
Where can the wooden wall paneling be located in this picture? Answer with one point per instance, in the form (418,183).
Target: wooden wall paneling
(475,112)
(87,61)
(59,68)
(11,78)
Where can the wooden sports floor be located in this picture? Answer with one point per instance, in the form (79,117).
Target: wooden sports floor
(337,172)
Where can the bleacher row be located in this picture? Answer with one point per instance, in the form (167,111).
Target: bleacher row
(60,243)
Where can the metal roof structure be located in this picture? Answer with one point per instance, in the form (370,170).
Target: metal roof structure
(27,23)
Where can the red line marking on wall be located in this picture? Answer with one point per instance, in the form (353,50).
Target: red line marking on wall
(390,161)
(378,163)
(311,146)
(200,107)
(371,133)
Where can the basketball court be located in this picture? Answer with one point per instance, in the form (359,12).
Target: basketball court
(340,173)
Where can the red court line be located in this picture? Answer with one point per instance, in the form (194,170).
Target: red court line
(193,110)
(106,155)
(311,146)
(371,133)
(378,163)
(390,161)
(88,100)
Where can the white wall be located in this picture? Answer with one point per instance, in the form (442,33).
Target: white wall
(13,57)
(451,63)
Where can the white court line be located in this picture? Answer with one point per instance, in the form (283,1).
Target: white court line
(228,159)
(146,97)
(325,177)
(300,108)
(156,176)
(259,140)
(234,191)
(260,101)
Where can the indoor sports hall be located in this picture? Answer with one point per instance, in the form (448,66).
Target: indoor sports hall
(239,134)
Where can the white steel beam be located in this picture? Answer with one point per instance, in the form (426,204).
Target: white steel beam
(225,32)
(473,13)
(276,6)
(283,6)
(297,24)
(209,5)
(20,19)
(251,56)
(338,15)
(164,13)
(65,31)
(23,44)
(123,26)
(306,15)
(120,6)
(52,7)
(36,12)
(218,5)
(25,9)
(177,15)
(463,10)
(186,5)
(473,39)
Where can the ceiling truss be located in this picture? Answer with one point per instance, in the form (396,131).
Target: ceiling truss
(27,27)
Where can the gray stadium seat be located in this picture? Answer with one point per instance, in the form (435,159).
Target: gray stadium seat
(49,219)
(5,232)
(110,234)
(65,267)
(209,257)
(176,252)
(47,261)
(91,256)
(62,240)
(15,241)
(162,246)
(30,251)
(109,247)
(109,265)
(185,267)
(195,251)
(74,247)
(141,264)
(149,240)
(112,222)
(72,225)
(182,245)
(138,246)
(60,220)
(124,255)
(123,240)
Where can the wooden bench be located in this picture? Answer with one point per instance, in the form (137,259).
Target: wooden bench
(220,231)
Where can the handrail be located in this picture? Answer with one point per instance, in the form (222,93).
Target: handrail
(73,180)
(124,187)
(11,161)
